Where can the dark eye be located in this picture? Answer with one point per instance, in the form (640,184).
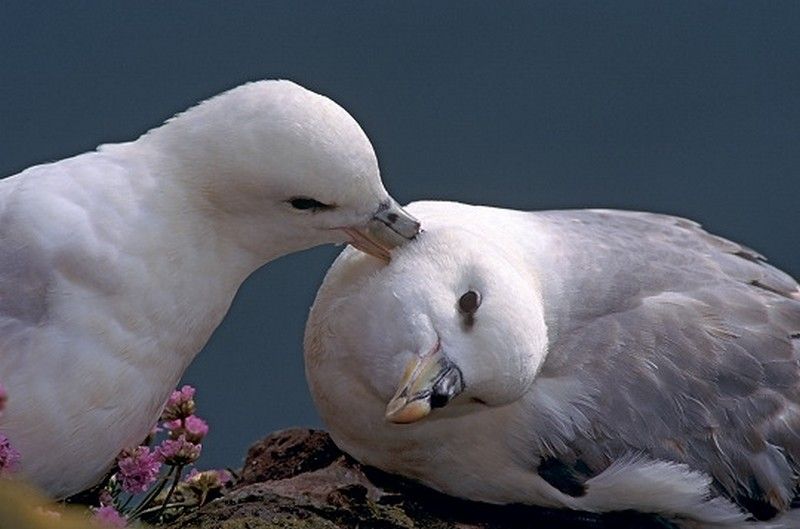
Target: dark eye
(308,203)
(469,302)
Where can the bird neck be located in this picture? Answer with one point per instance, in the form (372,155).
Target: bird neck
(188,266)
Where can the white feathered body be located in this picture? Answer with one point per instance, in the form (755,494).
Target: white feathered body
(108,288)
(117,265)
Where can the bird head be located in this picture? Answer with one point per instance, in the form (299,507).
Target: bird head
(281,169)
(453,322)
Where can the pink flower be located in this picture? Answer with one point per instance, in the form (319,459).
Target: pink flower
(9,457)
(180,404)
(138,469)
(193,427)
(108,516)
(178,451)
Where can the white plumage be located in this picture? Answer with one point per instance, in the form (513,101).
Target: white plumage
(589,359)
(117,265)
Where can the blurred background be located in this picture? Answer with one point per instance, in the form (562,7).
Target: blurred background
(690,108)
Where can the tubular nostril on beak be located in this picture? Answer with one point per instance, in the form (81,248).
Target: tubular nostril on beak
(397,219)
(391,226)
(448,386)
(430,381)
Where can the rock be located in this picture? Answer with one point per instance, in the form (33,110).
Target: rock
(287,453)
(297,479)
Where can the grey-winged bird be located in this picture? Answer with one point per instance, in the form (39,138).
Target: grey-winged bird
(590,359)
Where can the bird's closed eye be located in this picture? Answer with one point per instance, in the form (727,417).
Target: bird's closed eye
(308,203)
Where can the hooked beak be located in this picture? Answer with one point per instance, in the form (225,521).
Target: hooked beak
(430,381)
(391,226)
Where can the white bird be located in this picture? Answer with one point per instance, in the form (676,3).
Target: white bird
(117,265)
(592,359)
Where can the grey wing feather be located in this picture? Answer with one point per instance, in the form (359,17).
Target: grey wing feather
(686,348)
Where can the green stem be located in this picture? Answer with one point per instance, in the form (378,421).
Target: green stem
(175,481)
(170,506)
(127,502)
(152,494)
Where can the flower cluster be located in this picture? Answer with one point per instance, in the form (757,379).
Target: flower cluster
(208,479)
(9,456)
(179,452)
(185,429)
(193,428)
(201,487)
(180,404)
(109,516)
(140,470)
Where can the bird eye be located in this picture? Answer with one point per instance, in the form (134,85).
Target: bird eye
(469,302)
(308,203)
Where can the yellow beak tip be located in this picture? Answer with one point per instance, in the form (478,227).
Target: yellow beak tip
(400,411)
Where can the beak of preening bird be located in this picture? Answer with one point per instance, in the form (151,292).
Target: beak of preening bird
(391,226)
(429,381)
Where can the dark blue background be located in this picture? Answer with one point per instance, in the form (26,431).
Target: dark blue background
(690,108)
